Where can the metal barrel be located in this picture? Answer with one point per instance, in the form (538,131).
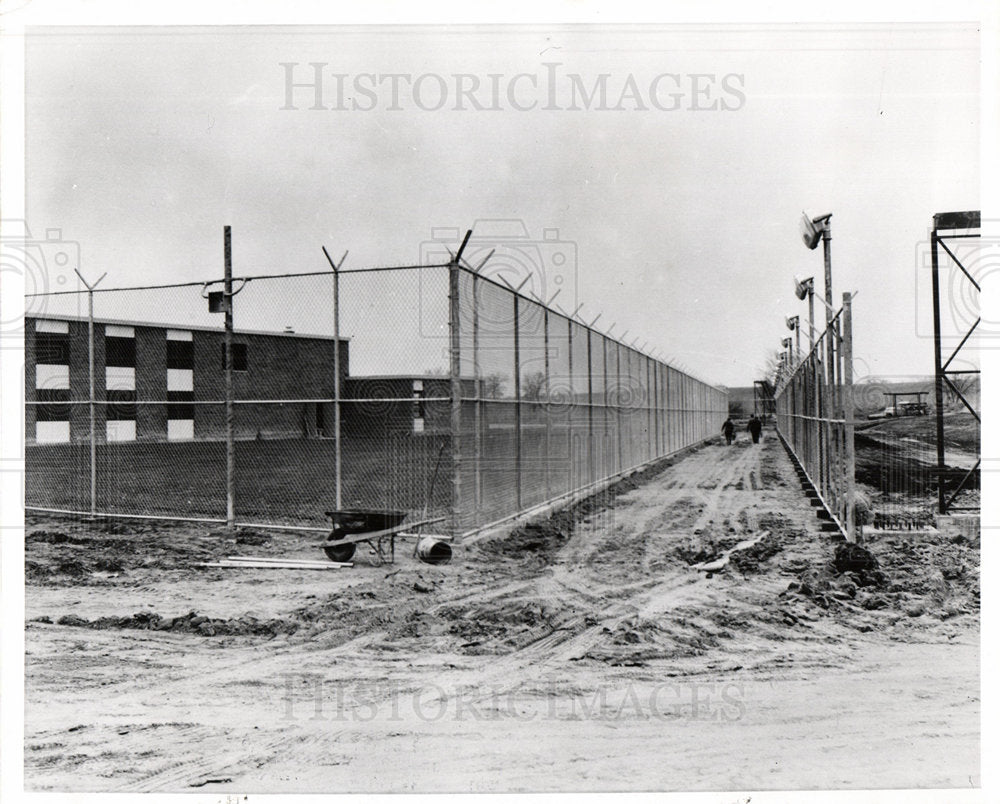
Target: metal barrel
(431,550)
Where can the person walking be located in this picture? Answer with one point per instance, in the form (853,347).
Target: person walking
(729,431)
(755,426)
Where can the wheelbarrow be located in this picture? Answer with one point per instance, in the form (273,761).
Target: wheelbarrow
(376,529)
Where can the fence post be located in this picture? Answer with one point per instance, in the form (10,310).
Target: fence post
(848,391)
(547,409)
(230,449)
(93,416)
(338,476)
(336,374)
(591,473)
(90,375)
(938,374)
(618,406)
(477,439)
(571,423)
(517,401)
(454,369)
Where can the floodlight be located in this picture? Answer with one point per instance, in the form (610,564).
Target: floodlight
(803,286)
(810,233)
(792,322)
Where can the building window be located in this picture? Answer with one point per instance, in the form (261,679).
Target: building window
(180,404)
(119,352)
(119,346)
(180,354)
(239,357)
(52,348)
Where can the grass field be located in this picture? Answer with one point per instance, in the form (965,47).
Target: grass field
(280,481)
(961,430)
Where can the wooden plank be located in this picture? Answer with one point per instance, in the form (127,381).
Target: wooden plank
(330,565)
(270,560)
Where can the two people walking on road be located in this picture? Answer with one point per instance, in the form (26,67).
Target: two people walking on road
(729,430)
(754,428)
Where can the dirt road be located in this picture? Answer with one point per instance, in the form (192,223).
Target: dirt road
(605,649)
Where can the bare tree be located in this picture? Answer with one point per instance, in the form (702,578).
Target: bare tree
(493,385)
(774,368)
(533,386)
(966,385)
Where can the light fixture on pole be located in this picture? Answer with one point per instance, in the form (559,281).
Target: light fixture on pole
(804,288)
(786,344)
(814,229)
(792,322)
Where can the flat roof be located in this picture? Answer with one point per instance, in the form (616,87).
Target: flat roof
(183,327)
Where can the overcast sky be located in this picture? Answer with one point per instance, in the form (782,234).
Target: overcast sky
(676,197)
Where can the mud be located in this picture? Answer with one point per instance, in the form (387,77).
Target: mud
(181,675)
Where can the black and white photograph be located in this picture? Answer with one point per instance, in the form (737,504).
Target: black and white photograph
(568,398)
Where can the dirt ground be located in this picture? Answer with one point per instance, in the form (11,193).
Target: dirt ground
(691,629)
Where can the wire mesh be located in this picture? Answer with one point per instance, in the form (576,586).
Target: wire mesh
(158,442)
(814,414)
(551,407)
(532,406)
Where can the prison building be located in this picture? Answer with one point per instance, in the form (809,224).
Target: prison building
(179,370)
(399,403)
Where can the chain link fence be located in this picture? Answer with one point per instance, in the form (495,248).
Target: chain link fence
(551,407)
(425,389)
(814,415)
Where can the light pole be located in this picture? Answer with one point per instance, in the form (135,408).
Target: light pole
(792,322)
(803,288)
(786,344)
(814,229)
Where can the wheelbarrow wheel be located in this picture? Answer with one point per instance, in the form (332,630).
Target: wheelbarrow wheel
(339,551)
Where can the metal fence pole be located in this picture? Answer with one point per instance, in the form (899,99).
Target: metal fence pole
(90,379)
(228,339)
(454,369)
(338,476)
(848,391)
(591,474)
(938,374)
(477,439)
(517,402)
(93,413)
(336,375)
(571,423)
(545,396)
